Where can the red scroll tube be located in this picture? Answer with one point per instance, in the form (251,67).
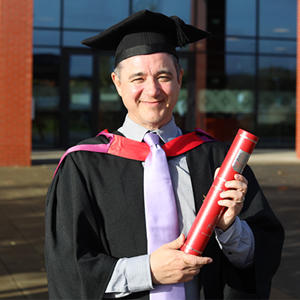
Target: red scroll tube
(210,211)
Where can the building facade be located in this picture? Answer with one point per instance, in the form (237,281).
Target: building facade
(243,76)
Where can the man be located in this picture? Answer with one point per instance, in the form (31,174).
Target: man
(98,222)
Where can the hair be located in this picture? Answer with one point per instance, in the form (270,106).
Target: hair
(176,62)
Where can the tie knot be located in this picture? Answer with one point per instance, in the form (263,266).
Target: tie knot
(151,138)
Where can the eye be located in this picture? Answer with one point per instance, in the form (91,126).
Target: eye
(164,78)
(137,80)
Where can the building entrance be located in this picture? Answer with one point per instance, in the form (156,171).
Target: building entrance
(79,99)
(88,99)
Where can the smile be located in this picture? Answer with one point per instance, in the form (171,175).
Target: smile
(151,102)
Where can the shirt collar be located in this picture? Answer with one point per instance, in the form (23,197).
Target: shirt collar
(136,132)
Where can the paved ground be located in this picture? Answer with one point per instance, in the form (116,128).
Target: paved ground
(22,196)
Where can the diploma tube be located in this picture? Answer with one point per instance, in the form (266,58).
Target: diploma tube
(210,211)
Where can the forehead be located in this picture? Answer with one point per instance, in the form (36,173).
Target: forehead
(148,63)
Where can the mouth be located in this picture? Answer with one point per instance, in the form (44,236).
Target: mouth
(151,102)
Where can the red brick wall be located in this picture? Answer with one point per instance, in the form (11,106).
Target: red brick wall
(15,81)
(298,84)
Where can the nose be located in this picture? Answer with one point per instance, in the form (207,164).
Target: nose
(152,88)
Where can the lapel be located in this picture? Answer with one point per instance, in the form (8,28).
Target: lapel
(202,170)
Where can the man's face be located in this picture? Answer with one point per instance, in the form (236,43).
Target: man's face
(149,87)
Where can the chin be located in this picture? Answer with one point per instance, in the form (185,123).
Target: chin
(155,123)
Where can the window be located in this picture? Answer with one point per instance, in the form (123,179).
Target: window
(43,37)
(45,97)
(178,8)
(278,18)
(94,14)
(240,17)
(47,13)
(277,101)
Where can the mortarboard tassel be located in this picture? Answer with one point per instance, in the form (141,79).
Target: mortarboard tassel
(182,38)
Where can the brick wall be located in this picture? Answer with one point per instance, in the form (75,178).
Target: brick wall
(15,81)
(298,84)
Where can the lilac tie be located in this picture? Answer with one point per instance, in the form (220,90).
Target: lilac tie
(160,209)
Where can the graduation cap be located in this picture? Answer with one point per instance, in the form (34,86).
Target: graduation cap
(145,32)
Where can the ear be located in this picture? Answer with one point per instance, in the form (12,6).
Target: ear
(180,77)
(117,82)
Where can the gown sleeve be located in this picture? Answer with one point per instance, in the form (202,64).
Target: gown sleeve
(77,257)
(268,234)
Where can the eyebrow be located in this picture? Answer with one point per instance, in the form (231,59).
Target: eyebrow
(136,75)
(157,74)
(164,72)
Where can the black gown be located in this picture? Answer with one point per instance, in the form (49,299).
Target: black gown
(95,215)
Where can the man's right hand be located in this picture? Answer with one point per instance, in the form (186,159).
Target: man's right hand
(170,265)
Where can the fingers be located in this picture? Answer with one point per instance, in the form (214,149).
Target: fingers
(234,196)
(237,189)
(176,244)
(172,266)
(216,172)
(196,261)
(240,183)
(192,265)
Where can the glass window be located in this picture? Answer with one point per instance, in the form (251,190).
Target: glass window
(240,70)
(80,83)
(74,38)
(45,97)
(181,108)
(178,8)
(46,70)
(80,87)
(46,37)
(277,47)
(111,109)
(234,44)
(94,14)
(278,18)
(272,67)
(277,101)
(227,103)
(46,13)
(240,17)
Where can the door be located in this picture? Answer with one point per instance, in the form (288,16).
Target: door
(77,98)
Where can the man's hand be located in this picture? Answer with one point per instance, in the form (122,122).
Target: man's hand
(233,199)
(170,265)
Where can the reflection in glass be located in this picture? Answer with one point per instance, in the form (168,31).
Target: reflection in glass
(278,47)
(228,106)
(181,108)
(80,87)
(94,14)
(111,110)
(234,44)
(240,17)
(240,71)
(46,37)
(277,101)
(45,130)
(73,38)
(46,13)
(45,97)
(278,18)
(282,66)
(178,8)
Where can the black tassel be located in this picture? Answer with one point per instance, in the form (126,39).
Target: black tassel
(182,38)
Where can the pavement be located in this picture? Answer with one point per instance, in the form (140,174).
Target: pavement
(22,198)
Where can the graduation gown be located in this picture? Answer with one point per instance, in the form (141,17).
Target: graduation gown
(95,215)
